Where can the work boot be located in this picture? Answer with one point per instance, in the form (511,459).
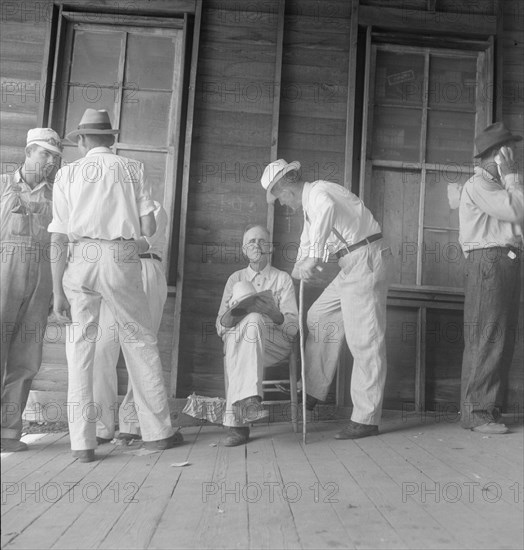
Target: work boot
(13,445)
(355,430)
(163,444)
(237,436)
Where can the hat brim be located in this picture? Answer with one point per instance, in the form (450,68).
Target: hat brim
(511,137)
(47,146)
(236,313)
(85,132)
(295,165)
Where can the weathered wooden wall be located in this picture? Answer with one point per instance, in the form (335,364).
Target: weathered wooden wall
(232,143)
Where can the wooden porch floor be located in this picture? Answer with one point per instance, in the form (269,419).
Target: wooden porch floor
(422,483)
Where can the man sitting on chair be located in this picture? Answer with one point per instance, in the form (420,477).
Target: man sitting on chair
(258,322)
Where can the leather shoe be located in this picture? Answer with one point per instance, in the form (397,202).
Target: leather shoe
(102,440)
(311,402)
(87,455)
(251,409)
(355,430)
(163,444)
(236,436)
(491,428)
(13,445)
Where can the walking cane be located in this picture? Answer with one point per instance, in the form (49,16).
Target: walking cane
(302,356)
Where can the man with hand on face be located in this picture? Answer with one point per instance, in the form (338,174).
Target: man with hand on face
(491,216)
(25,290)
(260,335)
(354,303)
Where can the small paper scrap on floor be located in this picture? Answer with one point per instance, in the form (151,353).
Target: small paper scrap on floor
(179,464)
(212,444)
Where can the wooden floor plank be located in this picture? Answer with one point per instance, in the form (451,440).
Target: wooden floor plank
(426,489)
(299,486)
(65,481)
(476,455)
(274,492)
(119,489)
(137,524)
(362,518)
(37,443)
(271,522)
(185,515)
(413,525)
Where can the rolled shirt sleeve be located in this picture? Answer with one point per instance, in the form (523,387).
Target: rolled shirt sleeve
(60,221)
(321,219)
(144,202)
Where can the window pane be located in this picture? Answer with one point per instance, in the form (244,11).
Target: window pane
(83,97)
(452,83)
(145,118)
(154,169)
(395,205)
(396,134)
(95,57)
(442,259)
(437,210)
(399,78)
(150,61)
(450,137)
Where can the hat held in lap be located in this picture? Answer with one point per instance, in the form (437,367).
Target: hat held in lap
(244,296)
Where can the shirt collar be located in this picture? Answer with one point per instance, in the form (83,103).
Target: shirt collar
(251,273)
(17,178)
(479,171)
(98,151)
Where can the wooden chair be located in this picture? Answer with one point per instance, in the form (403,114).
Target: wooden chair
(273,385)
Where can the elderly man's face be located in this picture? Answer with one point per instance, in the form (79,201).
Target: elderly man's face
(256,243)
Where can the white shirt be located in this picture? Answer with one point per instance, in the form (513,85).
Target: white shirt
(100,196)
(327,205)
(157,242)
(270,278)
(491,211)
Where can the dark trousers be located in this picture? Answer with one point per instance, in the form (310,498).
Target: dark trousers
(492,288)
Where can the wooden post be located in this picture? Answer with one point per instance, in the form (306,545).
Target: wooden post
(184,196)
(276,106)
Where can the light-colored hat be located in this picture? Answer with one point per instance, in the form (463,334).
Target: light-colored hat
(244,294)
(273,172)
(493,135)
(93,122)
(46,138)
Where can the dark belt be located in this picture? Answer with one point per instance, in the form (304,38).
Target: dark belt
(150,257)
(346,250)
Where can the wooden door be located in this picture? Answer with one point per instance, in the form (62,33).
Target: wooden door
(136,73)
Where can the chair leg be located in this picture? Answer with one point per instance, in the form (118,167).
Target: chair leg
(293,387)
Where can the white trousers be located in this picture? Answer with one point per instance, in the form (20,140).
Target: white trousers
(353,307)
(105,380)
(111,271)
(256,342)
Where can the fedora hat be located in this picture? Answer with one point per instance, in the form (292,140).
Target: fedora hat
(93,122)
(493,135)
(244,294)
(273,172)
(46,138)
